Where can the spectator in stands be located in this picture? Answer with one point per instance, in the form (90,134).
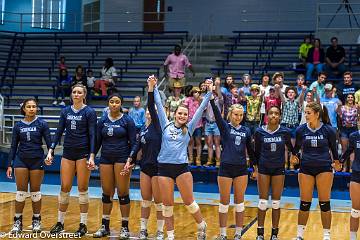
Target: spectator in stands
(304,49)
(264,87)
(231,98)
(137,113)
(192,103)
(174,67)
(63,86)
(246,79)
(228,81)
(348,114)
(79,76)
(300,82)
(90,80)
(319,84)
(310,96)
(346,87)
(357,97)
(62,64)
(253,104)
(272,100)
(315,59)
(335,58)
(108,77)
(174,101)
(331,103)
(358,50)
(278,78)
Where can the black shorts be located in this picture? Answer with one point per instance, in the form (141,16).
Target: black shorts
(75,154)
(232,171)
(112,161)
(314,171)
(150,169)
(172,170)
(271,171)
(29,163)
(355,176)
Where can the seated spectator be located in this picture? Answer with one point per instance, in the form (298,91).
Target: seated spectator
(137,113)
(90,78)
(79,76)
(174,101)
(62,64)
(304,49)
(108,77)
(174,67)
(319,85)
(335,58)
(63,87)
(228,81)
(315,59)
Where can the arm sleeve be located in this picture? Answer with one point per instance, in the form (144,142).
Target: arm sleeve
(288,142)
(131,132)
(161,112)
(46,134)
(199,112)
(60,130)
(220,122)
(349,150)
(14,144)
(152,111)
(99,127)
(250,149)
(332,143)
(298,141)
(167,61)
(257,148)
(136,148)
(92,118)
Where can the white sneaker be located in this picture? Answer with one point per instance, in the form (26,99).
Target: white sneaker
(159,235)
(55,102)
(62,103)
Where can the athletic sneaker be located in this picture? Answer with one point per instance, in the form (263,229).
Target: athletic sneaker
(237,237)
(326,238)
(143,234)
(57,228)
(201,234)
(159,235)
(274,237)
(260,237)
(102,232)
(17,227)
(36,224)
(298,238)
(124,233)
(170,238)
(82,230)
(221,237)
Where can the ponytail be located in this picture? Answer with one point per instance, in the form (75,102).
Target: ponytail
(322,110)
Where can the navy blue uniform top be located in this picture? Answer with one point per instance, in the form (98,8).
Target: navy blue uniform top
(116,137)
(149,140)
(270,146)
(234,140)
(316,145)
(79,127)
(27,139)
(354,146)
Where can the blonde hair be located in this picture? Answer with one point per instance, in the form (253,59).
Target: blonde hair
(232,108)
(183,127)
(83,88)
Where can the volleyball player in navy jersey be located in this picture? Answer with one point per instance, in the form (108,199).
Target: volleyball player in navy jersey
(116,135)
(236,139)
(354,146)
(27,158)
(79,123)
(173,162)
(317,139)
(270,142)
(149,142)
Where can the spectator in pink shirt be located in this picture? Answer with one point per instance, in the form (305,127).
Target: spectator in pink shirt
(174,67)
(62,64)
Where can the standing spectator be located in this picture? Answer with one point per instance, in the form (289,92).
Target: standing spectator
(137,113)
(62,87)
(315,59)
(231,98)
(62,64)
(304,49)
(174,67)
(253,104)
(346,87)
(174,101)
(331,103)
(319,84)
(193,103)
(246,79)
(272,100)
(335,58)
(79,76)
(278,78)
(300,82)
(228,81)
(310,97)
(264,87)
(108,77)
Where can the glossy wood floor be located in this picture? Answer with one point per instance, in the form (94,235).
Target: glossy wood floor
(185,225)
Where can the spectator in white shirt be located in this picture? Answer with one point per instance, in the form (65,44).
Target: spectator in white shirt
(108,77)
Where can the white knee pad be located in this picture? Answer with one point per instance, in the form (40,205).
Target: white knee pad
(275,204)
(159,207)
(84,197)
(20,196)
(64,197)
(146,203)
(240,207)
(263,204)
(168,211)
(35,196)
(193,207)
(223,208)
(355,213)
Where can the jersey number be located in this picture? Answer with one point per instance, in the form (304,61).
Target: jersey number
(110,131)
(73,125)
(273,147)
(28,136)
(237,140)
(314,143)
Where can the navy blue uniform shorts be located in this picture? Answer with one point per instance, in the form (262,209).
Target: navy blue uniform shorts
(172,170)
(271,171)
(232,171)
(150,169)
(355,176)
(107,160)
(75,154)
(315,170)
(29,163)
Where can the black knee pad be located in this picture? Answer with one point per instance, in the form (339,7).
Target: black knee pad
(325,206)
(305,206)
(106,198)
(123,200)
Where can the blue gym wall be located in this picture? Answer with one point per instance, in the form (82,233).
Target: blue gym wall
(73,9)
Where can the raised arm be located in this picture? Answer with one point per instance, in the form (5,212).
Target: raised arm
(152,110)
(60,130)
(220,122)
(199,112)
(14,145)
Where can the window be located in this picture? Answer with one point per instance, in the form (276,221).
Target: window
(48,14)
(2,7)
